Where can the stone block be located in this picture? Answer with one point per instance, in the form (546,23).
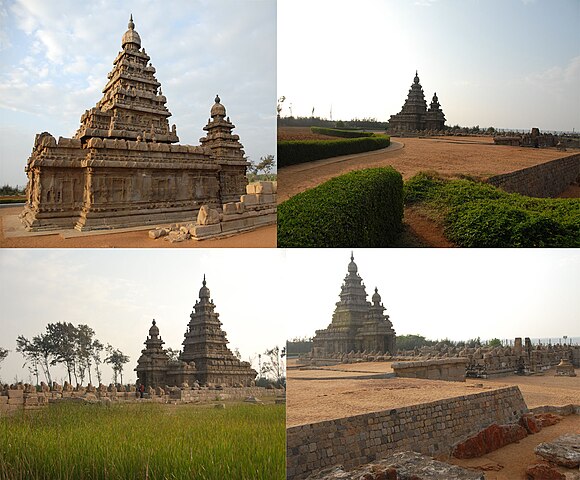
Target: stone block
(205,230)
(3,400)
(251,188)
(265,198)
(265,188)
(15,394)
(230,208)
(249,200)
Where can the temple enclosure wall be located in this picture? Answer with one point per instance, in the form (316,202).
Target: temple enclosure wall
(451,369)
(430,428)
(25,397)
(544,180)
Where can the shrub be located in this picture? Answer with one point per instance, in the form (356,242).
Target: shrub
(333,132)
(363,208)
(291,152)
(480,215)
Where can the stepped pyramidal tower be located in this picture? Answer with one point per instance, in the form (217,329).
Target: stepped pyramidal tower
(123,167)
(205,359)
(414,116)
(357,325)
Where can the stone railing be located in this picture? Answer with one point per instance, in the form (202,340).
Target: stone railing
(24,396)
(430,428)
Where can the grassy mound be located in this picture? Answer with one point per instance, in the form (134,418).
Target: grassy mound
(334,132)
(359,209)
(291,152)
(479,215)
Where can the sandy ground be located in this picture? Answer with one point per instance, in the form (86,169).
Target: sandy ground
(477,157)
(345,390)
(263,237)
(511,461)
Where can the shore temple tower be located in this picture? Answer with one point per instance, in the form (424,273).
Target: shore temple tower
(205,358)
(414,116)
(357,325)
(123,167)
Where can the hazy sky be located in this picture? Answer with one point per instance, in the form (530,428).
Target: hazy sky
(55,56)
(439,293)
(506,63)
(119,292)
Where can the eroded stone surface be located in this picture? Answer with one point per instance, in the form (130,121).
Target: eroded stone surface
(401,466)
(490,439)
(543,471)
(564,450)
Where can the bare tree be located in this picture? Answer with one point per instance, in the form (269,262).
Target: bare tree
(273,365)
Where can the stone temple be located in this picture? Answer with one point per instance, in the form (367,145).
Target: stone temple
(357,325)
(123,167)
(414,116)
(205,359)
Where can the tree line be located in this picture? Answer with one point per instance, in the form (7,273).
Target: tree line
(74,347)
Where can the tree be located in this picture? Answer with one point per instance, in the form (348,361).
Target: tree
(410,342)
(279,105)
(31,354)
(63,337)
(116,359)
(96,351)
(83,350)
(3,354)
(273,365)
(494,342)
(266,164)
(173,354)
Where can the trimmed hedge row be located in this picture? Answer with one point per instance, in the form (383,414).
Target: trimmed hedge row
(480,215)
(333,132)
(291,152)
(363,208)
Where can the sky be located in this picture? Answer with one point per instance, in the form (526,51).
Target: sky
(119,292)
(441,293)
(501,63)
(55,57)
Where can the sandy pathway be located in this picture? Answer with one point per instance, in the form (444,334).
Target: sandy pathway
(477,157)
(264,237)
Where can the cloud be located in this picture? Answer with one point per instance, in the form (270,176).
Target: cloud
(557,79)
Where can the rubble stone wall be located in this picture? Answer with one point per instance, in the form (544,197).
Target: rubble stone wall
(13,400)
(430,428)
(450,369)
(545,180)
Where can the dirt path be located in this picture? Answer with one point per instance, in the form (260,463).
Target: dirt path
(477,157)
(264,237)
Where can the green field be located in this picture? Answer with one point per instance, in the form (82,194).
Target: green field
(144,441)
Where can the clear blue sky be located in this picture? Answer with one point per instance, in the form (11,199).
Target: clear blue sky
(55,57)
(505,63)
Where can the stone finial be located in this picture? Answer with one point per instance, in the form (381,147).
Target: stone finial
(131,25)
(217,98)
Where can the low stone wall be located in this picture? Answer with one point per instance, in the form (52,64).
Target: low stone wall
(15,399)
(450,369)
(430,428)
(545,180)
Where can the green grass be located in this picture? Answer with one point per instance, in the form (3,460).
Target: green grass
(334,132)
(139,441)
(479,215)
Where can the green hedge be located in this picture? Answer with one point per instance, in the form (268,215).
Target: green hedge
(363,208)
(333,132)
(291,152)
(480,215)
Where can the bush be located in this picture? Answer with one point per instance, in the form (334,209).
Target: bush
(341,133)
(363,208)
(480,215)
(291,152)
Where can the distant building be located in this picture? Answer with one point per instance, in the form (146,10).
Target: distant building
(414,116)
(357,325)
(205,358)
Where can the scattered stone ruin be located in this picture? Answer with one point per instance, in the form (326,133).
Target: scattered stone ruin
(521,358)
(14,398)
(536,139)
(414,116)
(357,325)
(205,359)
(255,209)
(123,167)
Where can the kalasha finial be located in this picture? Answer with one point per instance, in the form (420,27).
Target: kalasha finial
(154,322)
(203,283)
(131,24)
(351,256)
(376,290)
(217,98)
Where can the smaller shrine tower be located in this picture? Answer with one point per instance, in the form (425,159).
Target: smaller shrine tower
(434,118)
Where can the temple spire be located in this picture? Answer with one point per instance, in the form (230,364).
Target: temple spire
(131,25)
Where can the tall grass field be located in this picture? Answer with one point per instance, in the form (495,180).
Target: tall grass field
(144,441)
